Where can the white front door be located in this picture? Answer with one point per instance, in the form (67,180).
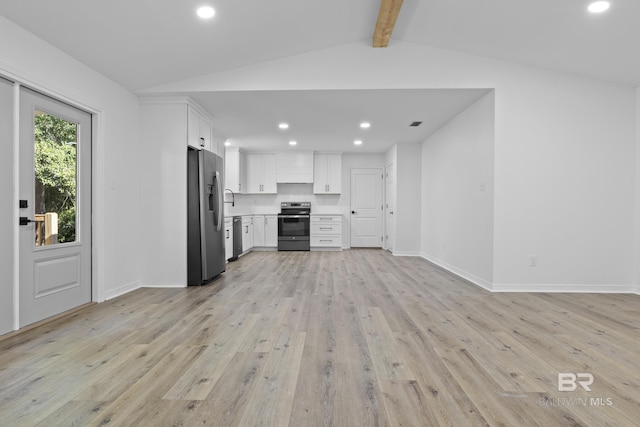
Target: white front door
(55,207)
(366,208)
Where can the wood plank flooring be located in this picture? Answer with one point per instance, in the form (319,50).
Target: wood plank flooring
(352,338)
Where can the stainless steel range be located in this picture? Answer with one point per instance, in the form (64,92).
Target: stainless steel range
(294,222)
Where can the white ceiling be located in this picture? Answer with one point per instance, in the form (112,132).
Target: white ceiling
(145,43)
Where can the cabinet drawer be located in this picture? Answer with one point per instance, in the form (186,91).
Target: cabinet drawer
(326,241)
(327,218)
(326,228)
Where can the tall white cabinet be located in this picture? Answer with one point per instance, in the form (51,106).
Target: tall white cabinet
(167,128)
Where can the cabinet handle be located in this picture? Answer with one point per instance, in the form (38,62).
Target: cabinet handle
(247,232)
(202,142)
(326,228)
(227,233)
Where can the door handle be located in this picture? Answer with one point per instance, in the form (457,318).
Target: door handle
(25,221)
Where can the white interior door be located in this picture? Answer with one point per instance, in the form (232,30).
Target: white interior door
(6,209)
(390,224)
(55,207)
(366,208)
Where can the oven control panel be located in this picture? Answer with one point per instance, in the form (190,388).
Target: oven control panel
(295,205)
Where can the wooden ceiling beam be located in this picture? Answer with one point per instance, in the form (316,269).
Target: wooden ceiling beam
(389,11)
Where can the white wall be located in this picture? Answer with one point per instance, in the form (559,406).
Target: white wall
(564,184)
(457,193)
(163,195)
(564,153)
(408,199)
(35,63)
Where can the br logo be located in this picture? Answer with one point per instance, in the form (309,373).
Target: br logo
(569,382)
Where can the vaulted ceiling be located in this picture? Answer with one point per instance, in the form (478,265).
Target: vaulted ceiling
(145,43)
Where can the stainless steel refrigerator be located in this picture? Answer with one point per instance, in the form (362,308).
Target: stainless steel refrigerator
(205,223)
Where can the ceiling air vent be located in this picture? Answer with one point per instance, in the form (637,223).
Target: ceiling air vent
(415,124)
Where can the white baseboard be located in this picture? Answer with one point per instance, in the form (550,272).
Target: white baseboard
(564,288)
(534,287)
(405,253)
(167,286)
(122,290)
(460,272)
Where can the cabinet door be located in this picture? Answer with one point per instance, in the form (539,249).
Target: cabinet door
(247,233)
(228,242)
(258,230)
(193,128)
(254,173)
(334,173)
(242,173)
(205,134)
(320,173)
(250,236)
(269,173)
(271,231)
(231,170)
(234,171)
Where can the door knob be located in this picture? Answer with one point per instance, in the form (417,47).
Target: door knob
(353,212)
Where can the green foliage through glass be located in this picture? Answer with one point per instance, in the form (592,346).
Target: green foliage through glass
(55,171)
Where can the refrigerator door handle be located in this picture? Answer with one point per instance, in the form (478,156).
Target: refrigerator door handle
(219,217)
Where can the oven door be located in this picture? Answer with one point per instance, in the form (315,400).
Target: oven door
(293,227)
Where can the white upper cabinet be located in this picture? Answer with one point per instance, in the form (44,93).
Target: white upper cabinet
(235,173)
(295,167)
(327,174)
(199,130)
(261,173)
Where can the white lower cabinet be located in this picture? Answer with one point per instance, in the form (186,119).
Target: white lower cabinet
(228,237)
(265,231)
(247,233)
(271,231)
(326,232)
(258,231)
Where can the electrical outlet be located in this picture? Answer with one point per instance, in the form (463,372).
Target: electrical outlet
(533,260)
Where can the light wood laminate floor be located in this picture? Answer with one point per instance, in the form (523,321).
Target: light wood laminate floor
(352,338)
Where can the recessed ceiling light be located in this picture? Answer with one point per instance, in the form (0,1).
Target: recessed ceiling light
(206,12)
(599,6)
(283,125)
(357,142)
(365,125)
(227,143)
(292,143)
